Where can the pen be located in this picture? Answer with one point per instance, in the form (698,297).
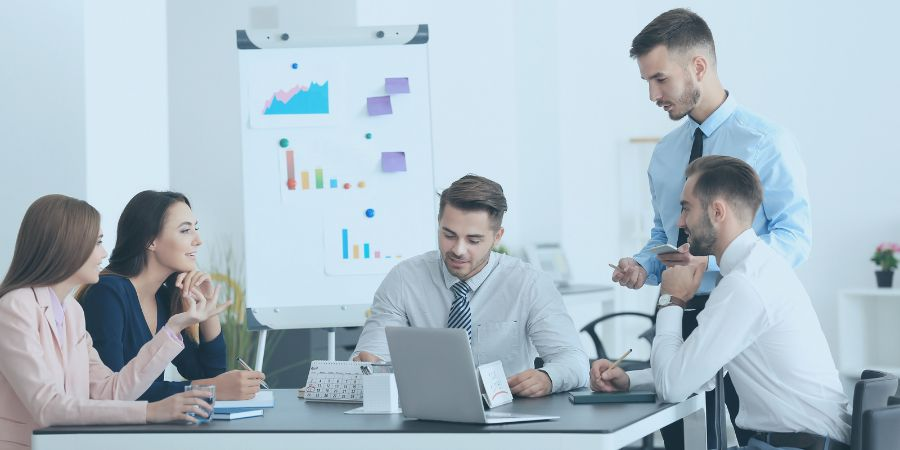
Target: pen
(242,363)
(616,364)
(614,267)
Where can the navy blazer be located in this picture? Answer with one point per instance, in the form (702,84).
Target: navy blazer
(116,323)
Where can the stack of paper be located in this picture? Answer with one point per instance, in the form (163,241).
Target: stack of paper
(263,399)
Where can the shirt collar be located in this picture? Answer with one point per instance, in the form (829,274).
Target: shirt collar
(476,281)
(737,251)
(717,118)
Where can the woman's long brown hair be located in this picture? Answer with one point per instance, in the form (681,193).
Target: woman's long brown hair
(141,222)
(57,236)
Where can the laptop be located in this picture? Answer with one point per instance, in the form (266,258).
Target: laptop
(436,377)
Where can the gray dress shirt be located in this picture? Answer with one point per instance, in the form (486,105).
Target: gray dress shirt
(517,314)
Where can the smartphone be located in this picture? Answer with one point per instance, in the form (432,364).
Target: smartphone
(663,249)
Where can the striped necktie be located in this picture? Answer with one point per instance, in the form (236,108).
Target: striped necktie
(460,314)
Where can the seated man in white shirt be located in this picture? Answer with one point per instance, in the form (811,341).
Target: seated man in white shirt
(511,310)
(759,323)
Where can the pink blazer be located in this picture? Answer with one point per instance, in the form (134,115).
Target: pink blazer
(47,379)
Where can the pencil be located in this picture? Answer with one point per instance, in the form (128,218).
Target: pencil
(621,358)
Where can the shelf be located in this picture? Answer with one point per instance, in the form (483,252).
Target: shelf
(868,331)
(871,292)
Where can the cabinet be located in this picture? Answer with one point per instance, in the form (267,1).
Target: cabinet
(868,331)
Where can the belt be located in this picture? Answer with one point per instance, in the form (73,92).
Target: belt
(803,441)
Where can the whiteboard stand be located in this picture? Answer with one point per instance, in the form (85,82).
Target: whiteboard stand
(331,346)
(261,348)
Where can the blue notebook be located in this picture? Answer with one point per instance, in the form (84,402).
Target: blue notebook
(235,413)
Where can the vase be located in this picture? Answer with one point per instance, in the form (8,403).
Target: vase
(885,278)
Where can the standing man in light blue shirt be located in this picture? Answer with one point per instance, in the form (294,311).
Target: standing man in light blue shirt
(676,56)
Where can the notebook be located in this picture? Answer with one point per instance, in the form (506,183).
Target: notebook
(585,397)
(263,399)
(235,413)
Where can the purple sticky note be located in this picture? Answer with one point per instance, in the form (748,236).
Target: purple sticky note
(396,85)
(379,106)
(393,161)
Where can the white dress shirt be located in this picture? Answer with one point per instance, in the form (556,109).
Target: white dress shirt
(759,324)
(517,314)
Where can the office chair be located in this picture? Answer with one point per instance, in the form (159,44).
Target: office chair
(628,364)
(870,396)
(881,426)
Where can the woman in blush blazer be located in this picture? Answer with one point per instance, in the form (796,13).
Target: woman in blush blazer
(49,372)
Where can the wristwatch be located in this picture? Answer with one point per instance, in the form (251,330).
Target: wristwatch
(667,299)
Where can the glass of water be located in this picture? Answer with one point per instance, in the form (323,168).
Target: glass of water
(211,388)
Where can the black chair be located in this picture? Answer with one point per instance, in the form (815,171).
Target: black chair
(872,423)
(627,364)
(881,426)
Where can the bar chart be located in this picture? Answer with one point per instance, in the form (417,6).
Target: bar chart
(360,250)
(315,178)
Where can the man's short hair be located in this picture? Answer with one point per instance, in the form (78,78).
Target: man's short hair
(679,30)
(730,179)
(475,193)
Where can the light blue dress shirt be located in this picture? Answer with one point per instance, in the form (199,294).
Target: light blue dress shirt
(783,221)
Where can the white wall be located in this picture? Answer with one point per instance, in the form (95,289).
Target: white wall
(85,106)
(42,112)
(126,91)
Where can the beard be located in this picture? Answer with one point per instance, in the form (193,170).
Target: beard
(686,103)
(475,266)
(702,238)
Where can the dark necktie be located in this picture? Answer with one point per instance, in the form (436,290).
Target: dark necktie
(696,152)
(460,313)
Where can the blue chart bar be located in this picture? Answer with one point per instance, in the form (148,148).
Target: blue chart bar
(366,251)
(345,245)
(333,183)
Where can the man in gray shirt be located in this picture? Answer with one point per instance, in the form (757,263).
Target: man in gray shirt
(511,310)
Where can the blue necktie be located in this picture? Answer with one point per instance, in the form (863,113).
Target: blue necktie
(460,314)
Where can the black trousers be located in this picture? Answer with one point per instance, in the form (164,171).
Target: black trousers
(673,435)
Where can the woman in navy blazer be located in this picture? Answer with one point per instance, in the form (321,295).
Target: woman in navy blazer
(151,274)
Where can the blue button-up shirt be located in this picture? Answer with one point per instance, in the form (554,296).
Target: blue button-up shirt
(783,221)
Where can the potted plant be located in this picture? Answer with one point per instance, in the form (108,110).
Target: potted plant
(227,270)
(887,261)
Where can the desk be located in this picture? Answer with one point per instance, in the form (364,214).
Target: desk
(298,424)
